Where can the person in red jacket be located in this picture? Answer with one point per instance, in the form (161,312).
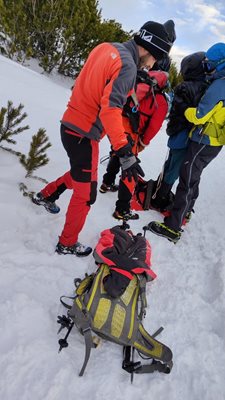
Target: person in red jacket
(95,109)
(151,110)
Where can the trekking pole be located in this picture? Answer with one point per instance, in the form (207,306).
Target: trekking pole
(145,228)
(132,360)
(63,342)
(156,333)
(128,361)
(103,159)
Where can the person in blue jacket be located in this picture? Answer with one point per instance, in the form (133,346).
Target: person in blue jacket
(207,138)
(186,94)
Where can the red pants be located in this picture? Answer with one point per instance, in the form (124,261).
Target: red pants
(82,179)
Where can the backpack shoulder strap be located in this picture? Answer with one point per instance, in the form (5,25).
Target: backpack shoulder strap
(80,316)
(89,344)
(131,111)
(134,99)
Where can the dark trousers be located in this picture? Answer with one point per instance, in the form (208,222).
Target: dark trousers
(167,178)
(125,193)
(112,169)
(81,179)
(173,165)
(126,188)
(198,156)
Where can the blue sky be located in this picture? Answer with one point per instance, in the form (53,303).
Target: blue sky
(199,24)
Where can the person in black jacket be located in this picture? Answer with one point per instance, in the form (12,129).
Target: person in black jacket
(186,94)
(206,140)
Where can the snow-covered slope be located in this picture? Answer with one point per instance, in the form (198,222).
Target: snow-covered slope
(187,298)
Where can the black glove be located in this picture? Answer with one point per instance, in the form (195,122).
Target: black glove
(129,163)
(124,151)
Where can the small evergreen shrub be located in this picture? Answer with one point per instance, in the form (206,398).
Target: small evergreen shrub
(36,157)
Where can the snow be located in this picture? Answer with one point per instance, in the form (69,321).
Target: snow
(187,298)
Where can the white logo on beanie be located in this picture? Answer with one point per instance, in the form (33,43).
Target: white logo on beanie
(145,35)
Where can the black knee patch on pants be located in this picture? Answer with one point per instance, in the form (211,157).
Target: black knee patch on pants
(93,193)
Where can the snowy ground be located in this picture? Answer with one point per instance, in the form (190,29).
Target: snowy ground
(187,298)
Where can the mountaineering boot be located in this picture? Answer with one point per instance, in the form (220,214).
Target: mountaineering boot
(50,206)
(108,188)
(163,230)
(77,249)
(126,215)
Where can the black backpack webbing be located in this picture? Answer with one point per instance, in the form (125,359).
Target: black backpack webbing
(136,367)
(149,190)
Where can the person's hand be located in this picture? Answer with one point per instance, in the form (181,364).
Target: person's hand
(131,168)
(129,163)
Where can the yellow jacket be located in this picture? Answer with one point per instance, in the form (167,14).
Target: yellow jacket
(212,124)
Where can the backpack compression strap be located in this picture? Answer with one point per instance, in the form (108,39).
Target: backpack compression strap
(80,315)
(137,368)
(88,345)
(149,189)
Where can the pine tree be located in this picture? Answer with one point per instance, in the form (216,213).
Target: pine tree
(174,76)
(15,41)
(10,118)
(36,157)
(59,33)
(45,23)
(111,31)
(79,34)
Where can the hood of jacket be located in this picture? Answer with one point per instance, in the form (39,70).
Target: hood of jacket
(192,68)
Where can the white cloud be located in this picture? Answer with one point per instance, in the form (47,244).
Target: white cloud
(177,53)
(144,3)
(209,15)
(199,23)
(218,31)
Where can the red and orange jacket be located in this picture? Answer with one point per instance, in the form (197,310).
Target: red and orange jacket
(100,92)
(153,108)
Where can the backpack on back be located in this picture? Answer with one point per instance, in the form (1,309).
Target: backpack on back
(117,318)
(147,85)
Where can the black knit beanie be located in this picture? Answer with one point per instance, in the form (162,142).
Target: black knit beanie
(154,38)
